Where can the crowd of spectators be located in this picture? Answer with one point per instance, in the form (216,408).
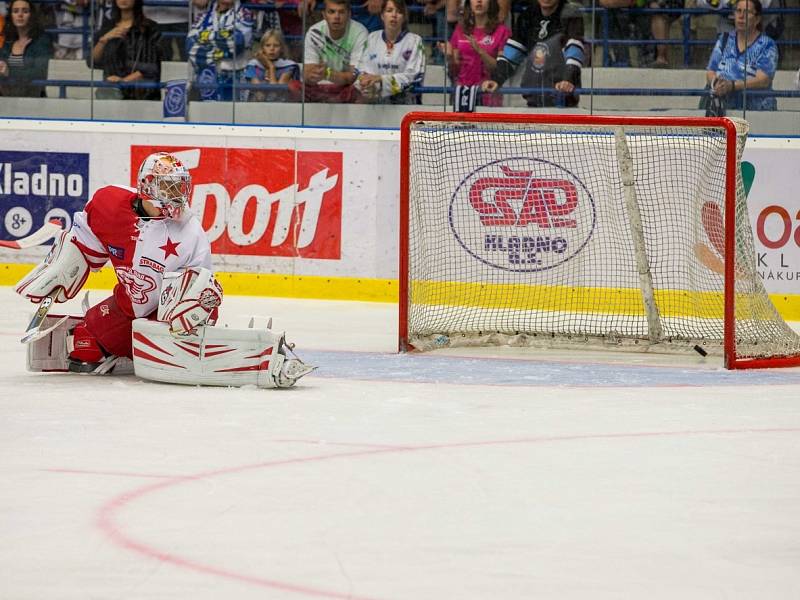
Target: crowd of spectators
(238,51)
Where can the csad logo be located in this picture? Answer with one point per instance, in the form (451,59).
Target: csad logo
(522,214)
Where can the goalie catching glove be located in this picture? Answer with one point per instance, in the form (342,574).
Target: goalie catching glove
(189,300)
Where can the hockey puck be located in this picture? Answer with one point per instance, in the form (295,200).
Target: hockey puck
(700,350)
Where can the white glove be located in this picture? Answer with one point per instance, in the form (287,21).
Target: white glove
(64,269)
(188,300)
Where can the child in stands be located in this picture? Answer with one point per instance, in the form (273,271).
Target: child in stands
(472,51)
(270,65)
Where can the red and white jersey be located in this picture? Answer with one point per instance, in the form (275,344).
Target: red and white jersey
(140,249)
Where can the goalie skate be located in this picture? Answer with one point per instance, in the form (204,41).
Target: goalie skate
(293,369)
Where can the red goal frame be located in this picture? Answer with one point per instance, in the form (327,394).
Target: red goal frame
(730,359)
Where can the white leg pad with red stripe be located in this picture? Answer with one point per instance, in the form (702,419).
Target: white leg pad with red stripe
(50,353)
(213,356)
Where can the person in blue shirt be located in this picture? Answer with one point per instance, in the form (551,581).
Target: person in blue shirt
(745,58)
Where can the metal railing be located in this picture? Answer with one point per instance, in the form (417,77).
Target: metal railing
(63,84)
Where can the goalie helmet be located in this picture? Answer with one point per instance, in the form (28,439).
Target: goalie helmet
(164,181)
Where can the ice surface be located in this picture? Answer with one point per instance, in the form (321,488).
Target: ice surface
(487,475)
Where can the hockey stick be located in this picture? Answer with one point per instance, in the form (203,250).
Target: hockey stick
(46,232)
(34,331)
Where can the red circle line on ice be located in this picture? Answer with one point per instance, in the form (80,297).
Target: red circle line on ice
(106,516)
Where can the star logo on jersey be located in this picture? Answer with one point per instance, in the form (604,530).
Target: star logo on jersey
(170,248)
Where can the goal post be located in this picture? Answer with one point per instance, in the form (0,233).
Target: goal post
(567,230)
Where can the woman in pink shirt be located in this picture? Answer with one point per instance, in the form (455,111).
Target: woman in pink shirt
(477,40)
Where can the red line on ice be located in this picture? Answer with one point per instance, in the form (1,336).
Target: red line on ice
(105,516)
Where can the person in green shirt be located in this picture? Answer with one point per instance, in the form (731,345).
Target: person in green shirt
(333,48)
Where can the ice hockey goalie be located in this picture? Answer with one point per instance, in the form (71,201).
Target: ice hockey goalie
(162,311)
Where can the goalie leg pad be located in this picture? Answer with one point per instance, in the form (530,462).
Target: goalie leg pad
(64,269)
(50,352)
(213,356)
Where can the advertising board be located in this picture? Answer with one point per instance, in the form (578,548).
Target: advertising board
(324,204)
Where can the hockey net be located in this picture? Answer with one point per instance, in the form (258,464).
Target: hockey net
(560,230)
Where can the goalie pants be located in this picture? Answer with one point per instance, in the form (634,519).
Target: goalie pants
(111,327)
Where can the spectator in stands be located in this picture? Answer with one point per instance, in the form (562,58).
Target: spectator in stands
(219,48)
(368,13)
(394,59)
(748,58)
(473,49)
(659,26)
(455,9)
(128,48)
(25,51)
(270,65)
(772,25)
(551,31)
(69,14)
(333,48)
(172,23)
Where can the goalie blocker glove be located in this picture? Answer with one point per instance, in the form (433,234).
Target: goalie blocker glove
(189,299)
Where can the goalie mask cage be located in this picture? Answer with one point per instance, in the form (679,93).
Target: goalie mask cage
(559,230)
